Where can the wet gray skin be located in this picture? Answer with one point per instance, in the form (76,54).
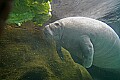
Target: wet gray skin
(89,41)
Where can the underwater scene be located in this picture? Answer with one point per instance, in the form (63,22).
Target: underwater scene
(59,39)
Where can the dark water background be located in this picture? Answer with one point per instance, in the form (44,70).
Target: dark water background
(101,74)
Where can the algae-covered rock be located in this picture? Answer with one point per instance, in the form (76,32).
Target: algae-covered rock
(25,55)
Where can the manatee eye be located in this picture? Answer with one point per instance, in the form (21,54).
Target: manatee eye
(57,24)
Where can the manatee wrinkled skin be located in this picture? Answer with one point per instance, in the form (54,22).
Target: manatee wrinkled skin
(89,41)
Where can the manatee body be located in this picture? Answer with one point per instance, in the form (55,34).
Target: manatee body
(89,41)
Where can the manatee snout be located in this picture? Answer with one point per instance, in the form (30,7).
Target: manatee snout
(48,31)
(47,34)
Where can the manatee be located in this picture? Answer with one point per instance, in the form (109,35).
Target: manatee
(89,41)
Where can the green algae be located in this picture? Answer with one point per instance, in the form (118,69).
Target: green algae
(25,55)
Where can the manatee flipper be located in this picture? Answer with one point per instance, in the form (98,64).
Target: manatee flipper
(87,51)
(59,51)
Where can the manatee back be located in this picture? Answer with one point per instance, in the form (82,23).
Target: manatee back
(105,41)
(87,26)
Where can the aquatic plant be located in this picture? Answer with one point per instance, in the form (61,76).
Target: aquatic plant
(25,10)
